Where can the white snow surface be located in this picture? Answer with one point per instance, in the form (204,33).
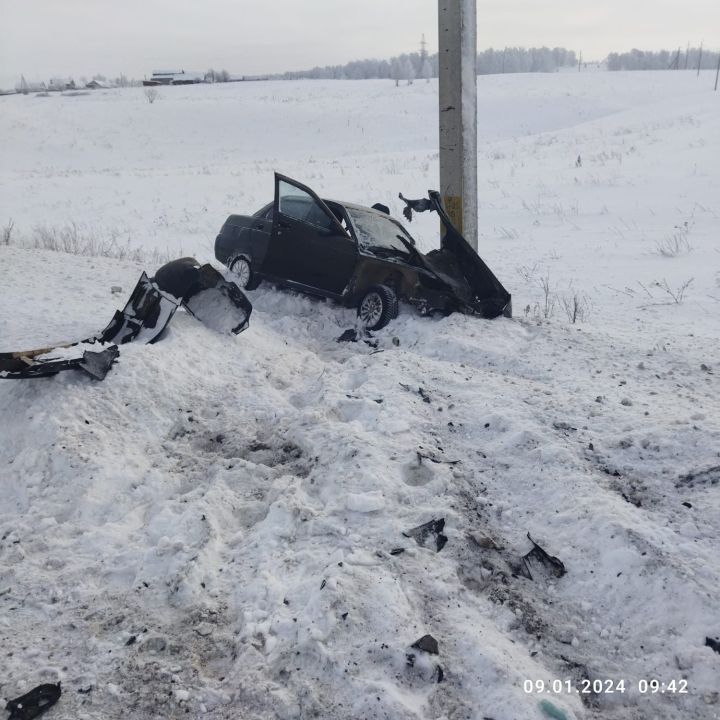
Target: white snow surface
(208,531)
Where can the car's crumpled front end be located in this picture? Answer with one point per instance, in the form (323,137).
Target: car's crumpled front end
(470,280)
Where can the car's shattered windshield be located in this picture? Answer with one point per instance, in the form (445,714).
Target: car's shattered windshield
(379,234)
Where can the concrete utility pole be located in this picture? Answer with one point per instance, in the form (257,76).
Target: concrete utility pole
(457,59)
(717,73)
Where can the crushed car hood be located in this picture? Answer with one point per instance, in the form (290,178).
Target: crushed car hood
(459,266)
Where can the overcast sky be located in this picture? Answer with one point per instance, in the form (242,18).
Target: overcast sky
(41,38)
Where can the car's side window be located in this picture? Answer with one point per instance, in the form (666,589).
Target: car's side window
(297,204)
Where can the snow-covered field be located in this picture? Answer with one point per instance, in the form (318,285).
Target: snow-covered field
(208,532)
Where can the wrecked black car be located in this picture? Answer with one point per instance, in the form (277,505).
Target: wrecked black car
(359,256)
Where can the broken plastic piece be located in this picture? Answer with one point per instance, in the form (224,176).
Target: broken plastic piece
(98,364)
(537,553)
(144,317)
(30,365)
(34,703)
(432,528)
(206,295)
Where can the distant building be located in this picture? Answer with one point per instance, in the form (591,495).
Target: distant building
(61,84)
(97,85)
(174,77)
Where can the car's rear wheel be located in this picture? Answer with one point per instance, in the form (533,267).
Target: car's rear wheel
(378,307)
(242,269)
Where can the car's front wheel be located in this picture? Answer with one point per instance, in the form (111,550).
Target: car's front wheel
(244,275)
(378,307)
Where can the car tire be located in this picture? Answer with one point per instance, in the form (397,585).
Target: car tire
(245,277)
(377,307)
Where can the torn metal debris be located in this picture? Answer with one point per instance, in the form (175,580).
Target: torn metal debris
(200,289)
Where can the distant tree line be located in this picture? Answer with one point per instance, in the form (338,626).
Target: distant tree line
(410,66)
(662,59)
(217,76)
(524,60)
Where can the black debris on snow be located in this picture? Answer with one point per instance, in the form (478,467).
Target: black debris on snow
(34,703)
(433,528)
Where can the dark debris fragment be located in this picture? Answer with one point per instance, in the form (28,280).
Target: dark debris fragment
(428,644)
(34,703)
(713,644)
(423,454)
(350,335)
(538,554)
(353,335)
(424,395)
(433,528)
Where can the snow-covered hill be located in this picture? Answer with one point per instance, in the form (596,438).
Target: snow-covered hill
(215,529)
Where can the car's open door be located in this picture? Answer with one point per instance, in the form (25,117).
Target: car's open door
(308,245)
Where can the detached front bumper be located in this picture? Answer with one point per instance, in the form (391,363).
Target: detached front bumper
(200,289)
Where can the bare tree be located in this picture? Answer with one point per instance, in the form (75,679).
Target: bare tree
(151,94)
(575,307)
(549,297)
(408,71)
(7,232)
(396,71)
